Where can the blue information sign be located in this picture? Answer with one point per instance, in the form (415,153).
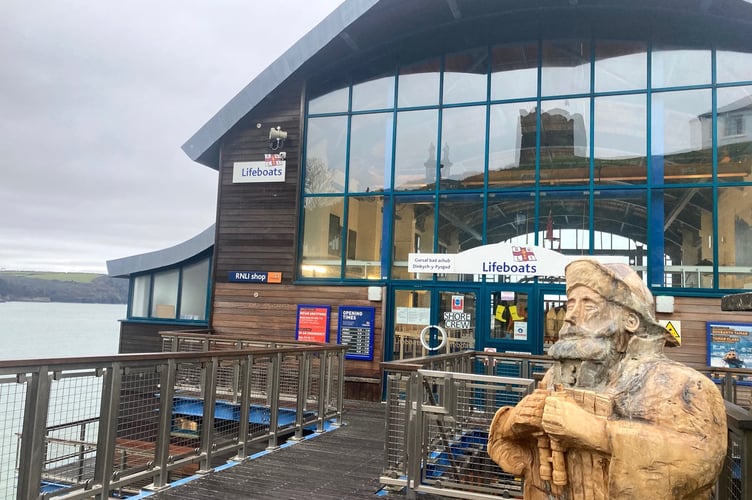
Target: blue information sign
(355,330)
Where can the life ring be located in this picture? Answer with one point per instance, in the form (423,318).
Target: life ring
(442,332)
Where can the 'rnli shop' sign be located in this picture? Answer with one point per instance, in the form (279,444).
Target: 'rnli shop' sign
(497,259)
(272,169)
(254,277)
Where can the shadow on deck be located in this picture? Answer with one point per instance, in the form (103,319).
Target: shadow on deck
(343,463)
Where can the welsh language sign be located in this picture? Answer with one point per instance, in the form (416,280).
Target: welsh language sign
(312,323)
(495,259)
(355,330)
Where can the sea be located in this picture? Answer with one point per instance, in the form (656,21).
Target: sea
(58,329)
(38,330)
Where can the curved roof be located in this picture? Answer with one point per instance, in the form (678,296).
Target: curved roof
(362,32)
(123,268)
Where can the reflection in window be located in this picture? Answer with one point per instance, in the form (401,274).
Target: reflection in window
(620,224)
(415,161)
(193,289)
(620,142)
(564,156)
(363,250)
(565,68)
(332,102)
(465,76)
(377,93)
(419,84)
(511,215)
(735,237)
(165,294)
(675,67)
(322,237)
(140,299)
(514,71)
(687,236)
(463,136)
(733,66)
(325,155)
(734,134)
(564,221)
(620,65)
(508,147)
(681,136)
(370,152)
(413,224)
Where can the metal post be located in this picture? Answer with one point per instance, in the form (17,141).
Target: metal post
(323,391)
(162,446)
(275,362)
(209,383)
(108,414)
(304,368)
(246,365)
(31,456)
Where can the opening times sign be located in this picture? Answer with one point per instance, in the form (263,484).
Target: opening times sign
(312,323)
(355,330)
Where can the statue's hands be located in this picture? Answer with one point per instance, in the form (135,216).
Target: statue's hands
(528,414)
(564,420)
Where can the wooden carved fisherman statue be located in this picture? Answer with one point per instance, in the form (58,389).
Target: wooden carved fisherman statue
(613,418)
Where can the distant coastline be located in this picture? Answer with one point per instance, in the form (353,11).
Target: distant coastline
(88,288)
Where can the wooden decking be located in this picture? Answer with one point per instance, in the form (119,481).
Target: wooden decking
(342,464)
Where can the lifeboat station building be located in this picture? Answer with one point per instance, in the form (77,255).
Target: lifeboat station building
(412,176)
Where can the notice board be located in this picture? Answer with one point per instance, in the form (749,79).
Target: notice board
(355,330)
(729,344)
(312,323)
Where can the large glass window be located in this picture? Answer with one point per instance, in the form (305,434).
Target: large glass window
(620,65)
(466,76)
(178,293)
(463,137)
(511,144)
(364,234)
(325,155)
(734,134)
(565,67)
(323,221)
(680,154)
(415,163)
(564,141)
(586,146)
(514,71)
(370,152)
(620,142)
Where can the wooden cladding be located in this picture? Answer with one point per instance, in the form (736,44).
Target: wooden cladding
(257,222)
(271,310)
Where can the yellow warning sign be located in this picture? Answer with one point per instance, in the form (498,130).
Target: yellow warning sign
(674,328)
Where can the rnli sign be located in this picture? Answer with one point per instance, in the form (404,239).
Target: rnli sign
(496,259)
(272,169)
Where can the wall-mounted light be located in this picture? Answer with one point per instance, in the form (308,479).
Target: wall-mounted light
(277,138)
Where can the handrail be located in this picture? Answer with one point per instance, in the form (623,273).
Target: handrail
(94,425)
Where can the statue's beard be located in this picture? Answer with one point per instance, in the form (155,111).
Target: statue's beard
(585,357)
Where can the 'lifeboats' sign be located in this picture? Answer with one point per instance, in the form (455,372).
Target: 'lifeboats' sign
(497,259)
(272,169)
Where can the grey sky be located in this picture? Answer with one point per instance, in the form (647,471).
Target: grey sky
(96,98)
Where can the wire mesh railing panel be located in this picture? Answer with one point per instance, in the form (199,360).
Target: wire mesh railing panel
(226,407)
(72,428)
(734,468)
(454,439)
(12,400)
(137,424)
(259,396)
(396,422)
(289,378)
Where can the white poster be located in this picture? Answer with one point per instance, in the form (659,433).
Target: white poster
(520,330)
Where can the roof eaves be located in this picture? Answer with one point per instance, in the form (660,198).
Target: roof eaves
(271,77)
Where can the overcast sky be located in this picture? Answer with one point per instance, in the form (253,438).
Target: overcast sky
(96,100)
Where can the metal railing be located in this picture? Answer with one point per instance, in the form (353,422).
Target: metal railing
(439,410)
(112,426)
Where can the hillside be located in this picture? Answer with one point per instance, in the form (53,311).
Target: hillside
(62,287)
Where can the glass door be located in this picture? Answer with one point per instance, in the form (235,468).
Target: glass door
(433,320)
(514,326)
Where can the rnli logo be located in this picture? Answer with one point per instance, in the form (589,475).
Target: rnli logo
(523,254)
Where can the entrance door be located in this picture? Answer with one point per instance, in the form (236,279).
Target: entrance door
(433,320)
(514,325)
